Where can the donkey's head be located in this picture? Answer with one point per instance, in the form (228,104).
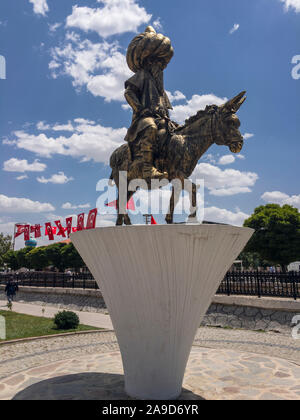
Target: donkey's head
(226,124)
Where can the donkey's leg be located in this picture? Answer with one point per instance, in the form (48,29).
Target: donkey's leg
(127,220)
(173,202)
(120,217)
(193,208)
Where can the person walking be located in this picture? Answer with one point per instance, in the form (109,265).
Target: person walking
(10,290)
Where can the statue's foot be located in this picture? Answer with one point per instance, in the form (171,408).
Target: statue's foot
(152,173)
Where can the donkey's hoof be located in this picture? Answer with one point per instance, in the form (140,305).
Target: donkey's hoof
(169,219)
(127,221)
(119,221)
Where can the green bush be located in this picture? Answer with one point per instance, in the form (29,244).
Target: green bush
(66,320)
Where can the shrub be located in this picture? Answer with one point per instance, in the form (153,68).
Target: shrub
(66,320)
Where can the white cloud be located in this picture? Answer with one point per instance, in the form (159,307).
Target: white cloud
(176,96)
(100,67)
(59,178)
(40,7)
(215,214)
(69,206)
(63,127)
(281,198)
(234,28)
(225,182)
(20,178)
(42,126)
(17,165)
(226,160)
(291,4)
(198,102)
(89,141)
(157,25)
(248,136)
(22,205)
(116,17)
(54,27)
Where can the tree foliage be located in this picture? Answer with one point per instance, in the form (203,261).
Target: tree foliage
(55,257)
(60,255)
(5,246)
(72,258)
(277,233)
(37,258)
(10,258)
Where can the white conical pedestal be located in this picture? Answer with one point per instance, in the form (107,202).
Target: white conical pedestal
(158,282)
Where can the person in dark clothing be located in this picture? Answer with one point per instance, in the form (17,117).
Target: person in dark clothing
(10,290)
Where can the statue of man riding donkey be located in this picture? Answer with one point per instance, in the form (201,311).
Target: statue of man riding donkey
(158,148)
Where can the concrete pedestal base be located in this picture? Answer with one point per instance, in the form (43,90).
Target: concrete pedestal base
(158,282)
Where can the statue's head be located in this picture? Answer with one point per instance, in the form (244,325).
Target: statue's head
(229,124)
(148,49)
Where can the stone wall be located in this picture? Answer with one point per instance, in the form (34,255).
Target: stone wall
(248,312)
(74,299)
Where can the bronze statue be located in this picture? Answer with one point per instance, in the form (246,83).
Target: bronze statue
(159,148)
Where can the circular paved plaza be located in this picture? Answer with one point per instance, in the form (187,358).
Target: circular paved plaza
(89,367)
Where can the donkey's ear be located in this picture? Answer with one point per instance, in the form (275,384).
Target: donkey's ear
(234,104)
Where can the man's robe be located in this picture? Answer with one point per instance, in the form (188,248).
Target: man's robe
(150,97)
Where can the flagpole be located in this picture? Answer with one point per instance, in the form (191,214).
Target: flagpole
(14,242)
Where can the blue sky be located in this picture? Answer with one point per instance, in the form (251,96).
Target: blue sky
(62,108)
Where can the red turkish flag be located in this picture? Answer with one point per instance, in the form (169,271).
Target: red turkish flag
(36,229)
(20,230)
(80,221)
(91,221)
(69,221)
(74,230)
(130,204)
(53,230)
(61,230)
(153,222)
(49,230)
(26,232)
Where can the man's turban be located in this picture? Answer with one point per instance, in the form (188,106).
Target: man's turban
(148,45)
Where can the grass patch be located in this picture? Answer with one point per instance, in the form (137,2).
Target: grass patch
(23,326)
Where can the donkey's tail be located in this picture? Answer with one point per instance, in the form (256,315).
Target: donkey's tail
(111,179)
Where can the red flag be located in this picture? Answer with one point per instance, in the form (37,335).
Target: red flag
(36,229)
(153,222)
(80,221)
(130,204)
(49,230)
(69,221)
(53,230)
(61,230)
(20,230)
(91,221)
(26,232)
(74,230)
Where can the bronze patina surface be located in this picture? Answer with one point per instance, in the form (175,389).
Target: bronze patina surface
(157,147)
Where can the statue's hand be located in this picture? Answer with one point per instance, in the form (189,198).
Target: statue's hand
(161,112)
(144,113)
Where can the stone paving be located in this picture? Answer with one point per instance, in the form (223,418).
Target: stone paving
(221,366)
(210,375)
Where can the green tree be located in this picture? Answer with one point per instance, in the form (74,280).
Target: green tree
(10,258)
(277,234)
(55,257)
(71,257)
(21,257)
(37,258)
(5,246)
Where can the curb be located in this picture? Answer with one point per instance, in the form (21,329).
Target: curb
(43,337)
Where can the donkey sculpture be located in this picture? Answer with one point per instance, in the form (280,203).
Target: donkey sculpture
(179,153)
